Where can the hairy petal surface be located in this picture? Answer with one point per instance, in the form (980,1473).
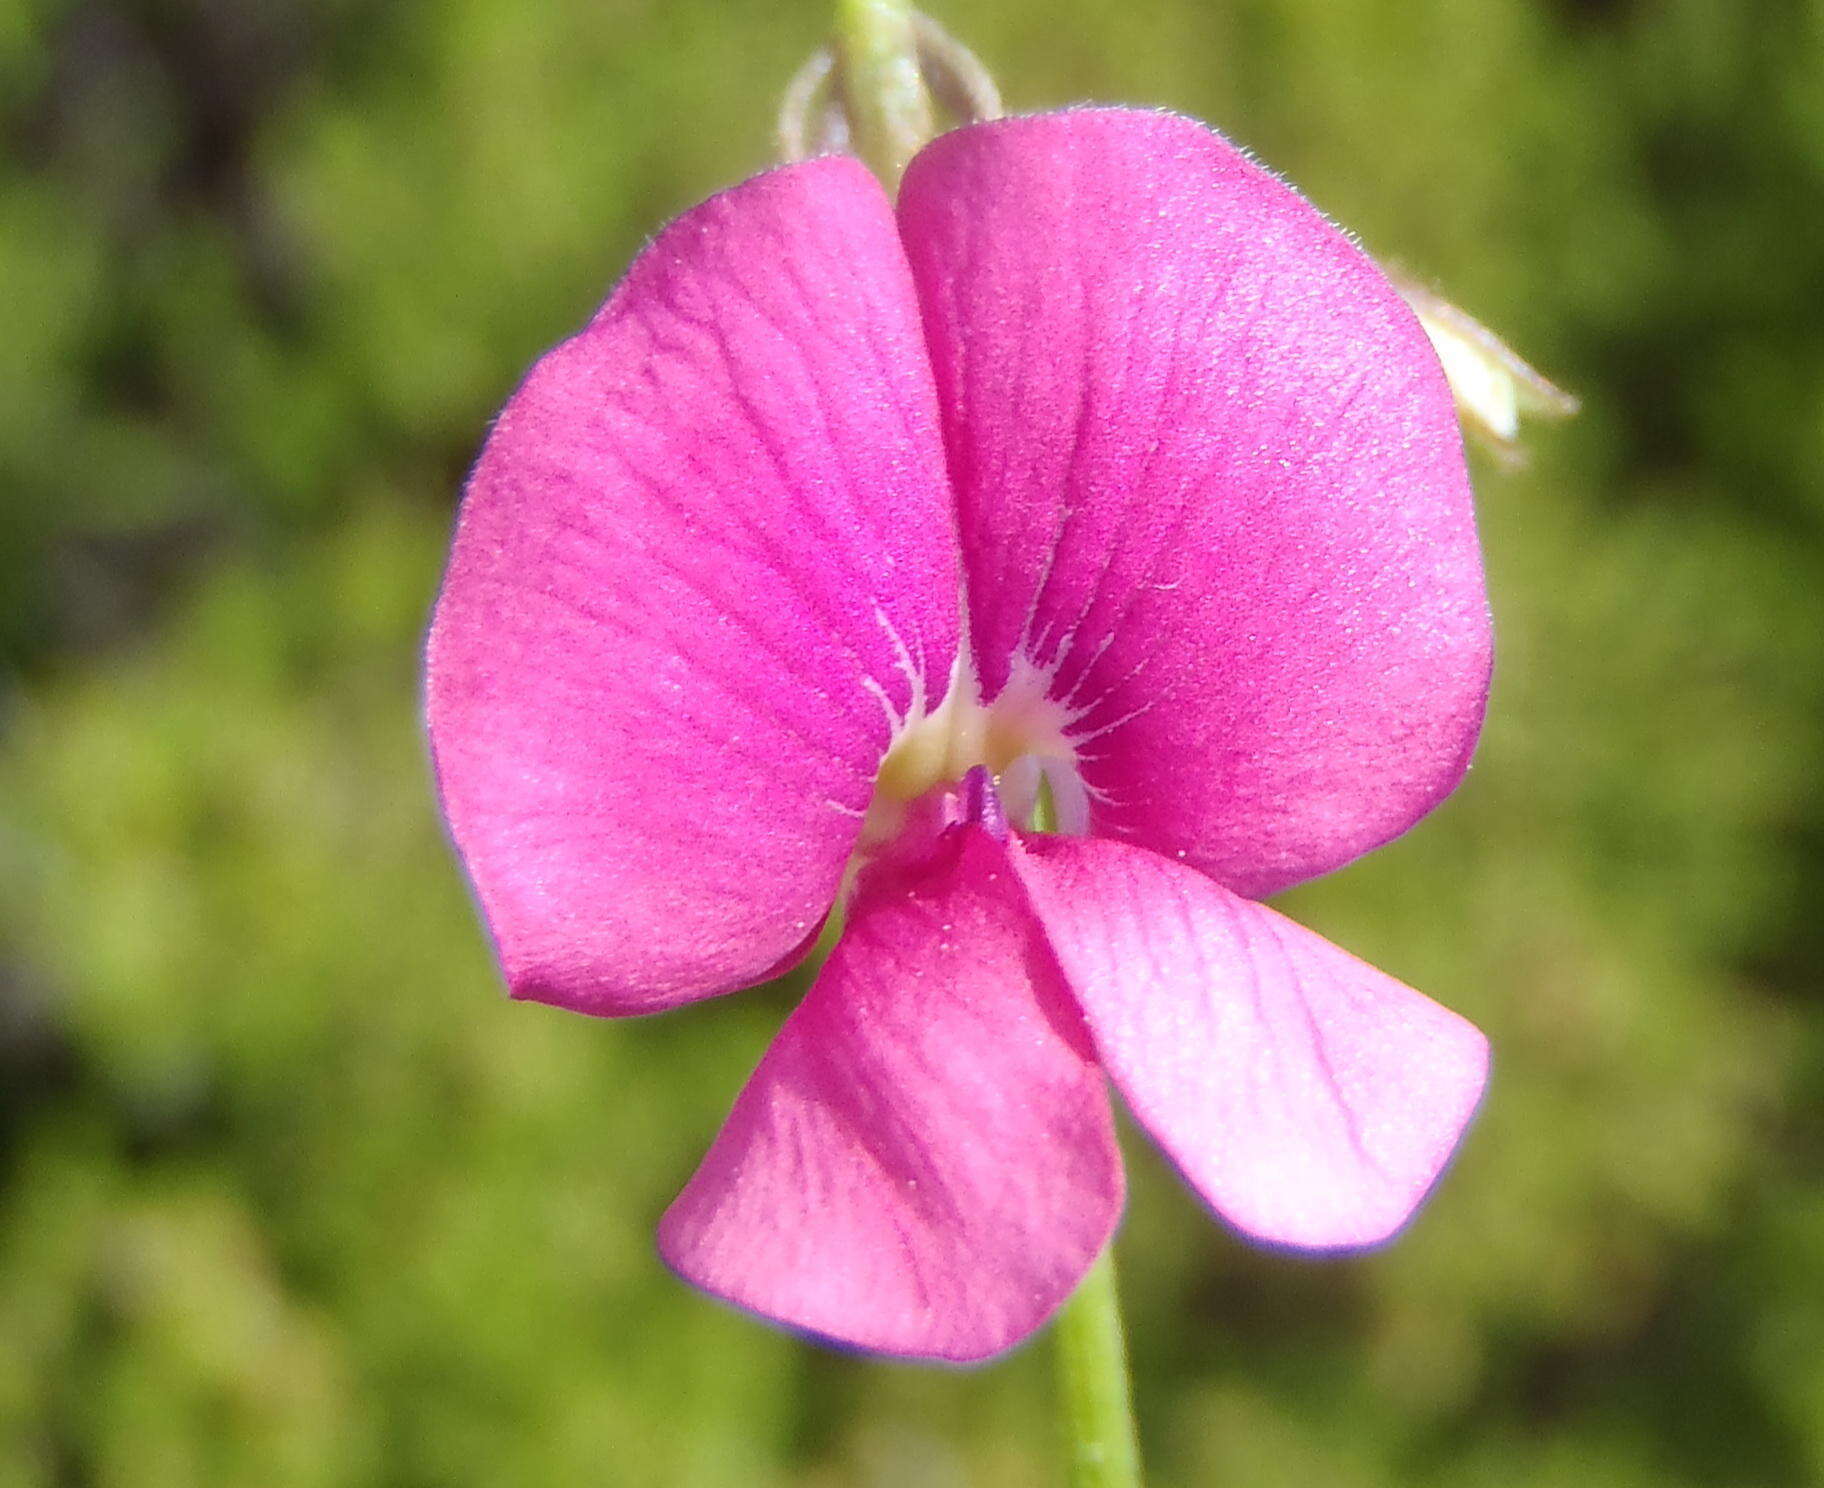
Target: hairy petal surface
(707,551)
(1209,476)
(1310,1099)
(924,1164)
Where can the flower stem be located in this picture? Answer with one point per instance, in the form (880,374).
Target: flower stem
(883,91)
(1092,1378)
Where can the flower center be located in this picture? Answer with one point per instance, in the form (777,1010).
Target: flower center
(1019,738)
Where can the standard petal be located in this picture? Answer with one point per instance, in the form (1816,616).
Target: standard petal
(1311,1099)
(924,1163)
(707,552)
(1209,477)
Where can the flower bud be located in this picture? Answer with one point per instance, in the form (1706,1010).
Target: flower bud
(1492,386)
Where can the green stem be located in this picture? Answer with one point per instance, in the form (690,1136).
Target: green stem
(883,92)
(1092,1378)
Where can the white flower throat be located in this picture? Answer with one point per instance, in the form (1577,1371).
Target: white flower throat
(1020,738)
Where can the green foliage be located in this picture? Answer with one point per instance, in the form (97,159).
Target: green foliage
(292,1195)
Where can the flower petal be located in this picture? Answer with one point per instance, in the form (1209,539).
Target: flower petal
(1209,478)
(707,552)
(1311,1099)
(924,1163)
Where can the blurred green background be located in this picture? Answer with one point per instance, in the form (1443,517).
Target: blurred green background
(291,1195)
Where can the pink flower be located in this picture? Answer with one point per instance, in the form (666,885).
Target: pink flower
(1104,461)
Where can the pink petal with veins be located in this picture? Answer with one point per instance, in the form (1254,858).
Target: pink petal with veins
(1209,475)
(1311,1099)
(708,547)
(924,1163)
